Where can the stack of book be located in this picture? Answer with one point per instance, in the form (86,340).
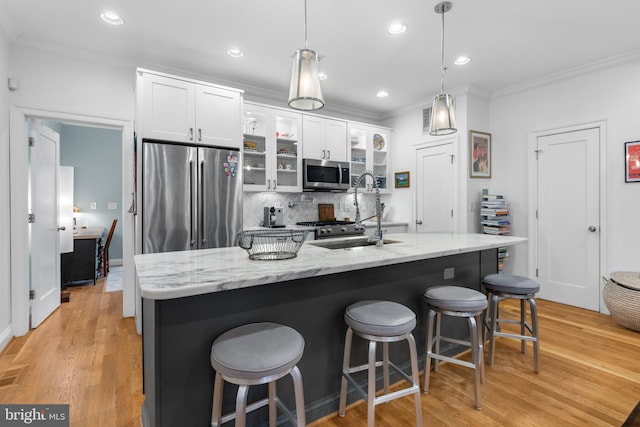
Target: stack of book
(494,210)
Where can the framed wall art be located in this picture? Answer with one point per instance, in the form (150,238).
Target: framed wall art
(402,179)
(479,154)
(632,161)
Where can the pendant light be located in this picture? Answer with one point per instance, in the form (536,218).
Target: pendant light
(443,121)
(305,93)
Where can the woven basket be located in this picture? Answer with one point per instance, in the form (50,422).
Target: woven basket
(621,295)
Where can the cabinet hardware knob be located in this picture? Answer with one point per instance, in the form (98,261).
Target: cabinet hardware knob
(592,229)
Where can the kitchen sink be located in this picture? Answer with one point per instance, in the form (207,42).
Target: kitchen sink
(348,243)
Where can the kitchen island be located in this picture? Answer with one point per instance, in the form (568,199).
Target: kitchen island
(191,297)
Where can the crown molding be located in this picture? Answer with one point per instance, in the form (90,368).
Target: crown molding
(458,91)
(259,94)
(567,74)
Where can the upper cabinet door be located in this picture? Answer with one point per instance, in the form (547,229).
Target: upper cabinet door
(313,138)
(336,140)
(168,111)
(324,139)
(218,113)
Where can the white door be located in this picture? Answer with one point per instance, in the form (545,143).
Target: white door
(43,206)
(65,213)
(568,218)
(435,196)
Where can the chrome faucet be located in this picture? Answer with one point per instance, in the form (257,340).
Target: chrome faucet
(378,236)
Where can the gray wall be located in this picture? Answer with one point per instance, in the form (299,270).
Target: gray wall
(96,156)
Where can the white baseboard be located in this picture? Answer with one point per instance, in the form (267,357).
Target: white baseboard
(5,337)
(115,262)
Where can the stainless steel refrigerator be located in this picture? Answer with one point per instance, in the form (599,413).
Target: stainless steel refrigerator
(192,197)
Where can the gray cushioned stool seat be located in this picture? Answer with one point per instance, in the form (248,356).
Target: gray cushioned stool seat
(455,298)
(380,318)
(511,284)
(256,350)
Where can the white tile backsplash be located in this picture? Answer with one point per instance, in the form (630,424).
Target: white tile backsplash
(304,206)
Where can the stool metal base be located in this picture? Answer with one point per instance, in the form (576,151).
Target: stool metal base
(274,403)
(370,395)
(475,343)
(492,324)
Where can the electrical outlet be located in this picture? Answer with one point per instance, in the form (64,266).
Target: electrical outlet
(93,205)
(112,205)
(344,207)
(449,273)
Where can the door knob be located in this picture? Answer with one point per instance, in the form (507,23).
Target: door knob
(592,228)
(419,222)
(62,228)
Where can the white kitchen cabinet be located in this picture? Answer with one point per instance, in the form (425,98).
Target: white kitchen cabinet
(181,110)
(271,156)
(324,139)
(369,150)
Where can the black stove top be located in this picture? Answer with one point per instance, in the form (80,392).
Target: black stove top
(323,223)
(326,229)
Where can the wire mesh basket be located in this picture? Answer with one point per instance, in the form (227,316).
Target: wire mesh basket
(272,244)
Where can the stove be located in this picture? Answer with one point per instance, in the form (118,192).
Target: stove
(327,229)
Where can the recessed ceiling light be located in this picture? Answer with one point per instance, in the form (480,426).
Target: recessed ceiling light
(322,76)
(111,18)
(462,60)
(382,94)
(397,28)
(235,53)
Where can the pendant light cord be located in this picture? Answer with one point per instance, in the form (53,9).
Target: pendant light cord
(305,24)
(442,68)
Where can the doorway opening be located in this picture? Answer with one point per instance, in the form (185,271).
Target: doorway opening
(20,270)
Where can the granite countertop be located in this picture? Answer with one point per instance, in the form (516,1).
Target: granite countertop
(180,274)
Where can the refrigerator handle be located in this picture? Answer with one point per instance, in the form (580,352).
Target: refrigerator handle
(203,240)
(191,179)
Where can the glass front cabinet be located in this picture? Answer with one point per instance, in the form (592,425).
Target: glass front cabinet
(369,148)
(272,158)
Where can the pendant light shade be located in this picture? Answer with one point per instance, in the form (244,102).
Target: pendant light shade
(305,92)
(443,121)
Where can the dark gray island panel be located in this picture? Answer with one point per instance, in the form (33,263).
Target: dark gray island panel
(178,332)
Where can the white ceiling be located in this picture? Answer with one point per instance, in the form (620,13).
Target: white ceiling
(511,42)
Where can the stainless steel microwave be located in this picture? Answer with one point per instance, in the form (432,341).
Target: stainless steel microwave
(327,175)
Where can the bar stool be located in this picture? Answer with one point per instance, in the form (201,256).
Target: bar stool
(257,353)
(459,302)
(385,322)
(500,287)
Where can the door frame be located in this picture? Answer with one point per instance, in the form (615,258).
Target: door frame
(459,214)
(533,191)
(19,246)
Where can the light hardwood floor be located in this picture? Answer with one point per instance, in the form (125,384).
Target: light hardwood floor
(87,355)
